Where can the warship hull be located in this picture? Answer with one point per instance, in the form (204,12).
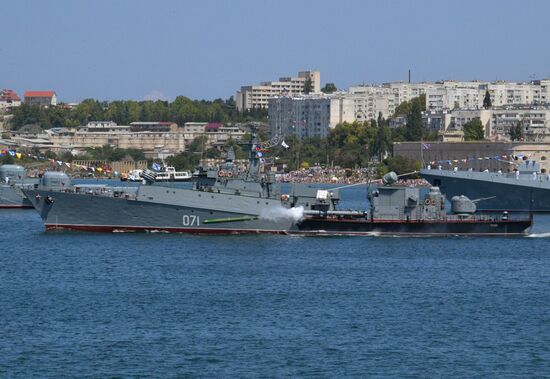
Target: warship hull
(322,226)
(497,191)
(176,210)
(13,197)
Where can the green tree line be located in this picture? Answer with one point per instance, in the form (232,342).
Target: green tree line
(123,112)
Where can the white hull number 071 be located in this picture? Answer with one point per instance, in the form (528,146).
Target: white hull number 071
(191,220)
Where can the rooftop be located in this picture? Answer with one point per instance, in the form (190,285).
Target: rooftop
(39,93)
(9,95)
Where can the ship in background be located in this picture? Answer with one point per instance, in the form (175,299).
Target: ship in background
(525,189)
(13,178)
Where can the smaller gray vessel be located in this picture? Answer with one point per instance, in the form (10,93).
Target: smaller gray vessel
(12,179)
(403,211)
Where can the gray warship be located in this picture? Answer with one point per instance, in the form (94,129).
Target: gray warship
(526,189)
(403,211)
(223,199)
(13,178)
(230,199)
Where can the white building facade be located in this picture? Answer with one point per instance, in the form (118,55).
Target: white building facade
(256,96)
(453,94)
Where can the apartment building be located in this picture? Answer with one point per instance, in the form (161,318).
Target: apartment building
(308,115)
(534,122)
(371,100)
(454,94)
(497,121)
(256,96)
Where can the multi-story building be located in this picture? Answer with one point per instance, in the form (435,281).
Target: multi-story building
(8,99)
(534,122)
(217,134)
(371,100)
(453,94)
(308,115)
(147,141)
(256,96)
(150,137)
(41,98)
(497,122)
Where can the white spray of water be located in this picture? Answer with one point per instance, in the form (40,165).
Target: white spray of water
(539,235)
(281,213)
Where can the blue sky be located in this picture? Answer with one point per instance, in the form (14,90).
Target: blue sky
(207,49)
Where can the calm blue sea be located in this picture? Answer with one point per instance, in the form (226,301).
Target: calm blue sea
(135,305)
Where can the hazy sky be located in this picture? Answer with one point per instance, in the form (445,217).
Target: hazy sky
(117,49)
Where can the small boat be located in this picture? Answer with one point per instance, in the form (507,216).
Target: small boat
(171,175)
(135,176)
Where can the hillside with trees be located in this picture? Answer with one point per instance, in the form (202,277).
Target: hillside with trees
(123,112)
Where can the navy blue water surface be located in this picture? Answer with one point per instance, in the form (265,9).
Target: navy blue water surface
(126,305)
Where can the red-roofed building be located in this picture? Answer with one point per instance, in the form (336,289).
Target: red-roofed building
(8,99)
(42,98)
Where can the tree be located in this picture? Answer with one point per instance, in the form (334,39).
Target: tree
(516,132)
(487,100)
(473,130)
(405,107)
(414,130)
(400,165)
(198,144)
(329,88)
(381,143)
(7,159)
(308,85)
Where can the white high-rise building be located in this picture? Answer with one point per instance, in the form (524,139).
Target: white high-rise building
(256,96)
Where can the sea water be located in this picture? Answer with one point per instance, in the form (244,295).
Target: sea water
(162,305)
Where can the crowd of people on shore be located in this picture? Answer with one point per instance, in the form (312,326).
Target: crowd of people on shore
(339,175)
